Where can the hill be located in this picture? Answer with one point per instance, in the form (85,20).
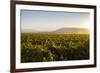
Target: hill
(61,31)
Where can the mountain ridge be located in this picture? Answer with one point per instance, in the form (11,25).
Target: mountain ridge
(64,30)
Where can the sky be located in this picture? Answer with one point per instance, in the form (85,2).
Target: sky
(52,20)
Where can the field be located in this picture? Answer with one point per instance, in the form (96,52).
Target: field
(54,47)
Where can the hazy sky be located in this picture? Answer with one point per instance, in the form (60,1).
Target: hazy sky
(52,20)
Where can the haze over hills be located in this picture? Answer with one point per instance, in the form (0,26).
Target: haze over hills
(60,31)
(72,31)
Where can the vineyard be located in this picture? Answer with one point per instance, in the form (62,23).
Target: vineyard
(54,47)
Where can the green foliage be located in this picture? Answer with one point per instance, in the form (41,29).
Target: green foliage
(54,47)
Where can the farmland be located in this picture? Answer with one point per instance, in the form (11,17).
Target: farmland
(54,47)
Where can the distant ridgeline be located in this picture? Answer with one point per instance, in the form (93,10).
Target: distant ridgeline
(60,31)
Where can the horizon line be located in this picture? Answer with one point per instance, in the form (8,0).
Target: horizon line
(54,30)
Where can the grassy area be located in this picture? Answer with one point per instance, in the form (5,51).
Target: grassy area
(54,47)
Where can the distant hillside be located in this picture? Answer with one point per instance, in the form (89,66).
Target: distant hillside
(72,31)
(61,31)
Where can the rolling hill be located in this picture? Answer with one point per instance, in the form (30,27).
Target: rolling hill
(61,31)
(72,31)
